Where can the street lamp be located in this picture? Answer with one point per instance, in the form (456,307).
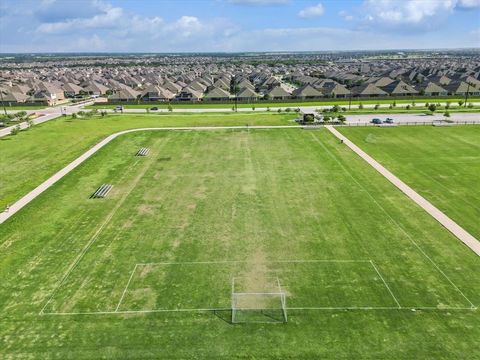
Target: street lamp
(3,103)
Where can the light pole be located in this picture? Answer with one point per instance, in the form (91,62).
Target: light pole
(3,103)
(466,95)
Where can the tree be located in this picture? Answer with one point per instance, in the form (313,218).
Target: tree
(74,116)
(432,107)
(394,104)
(253,107)
(15,130)
(360,106)
(447,105)
(460,103)
(170,108)
(342,118)
(446,114)
(376,106)
(421,92)
(407,107)
(327,118)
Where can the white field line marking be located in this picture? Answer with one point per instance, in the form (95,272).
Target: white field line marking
(385,283)
(126,287)
(74,264)
(459,232)
(126,312)
(394,221)
(25,200)
(244,261)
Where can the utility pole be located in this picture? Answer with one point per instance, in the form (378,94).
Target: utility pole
(466,95)
(3,103)
(236,93)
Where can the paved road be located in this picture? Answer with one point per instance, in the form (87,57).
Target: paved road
(54,112)
(443,219)
(44,115)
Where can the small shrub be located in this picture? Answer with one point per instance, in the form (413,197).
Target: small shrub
(360,106)
(407,107)
(470,105)
(460,103)
(15,130)
(376,106)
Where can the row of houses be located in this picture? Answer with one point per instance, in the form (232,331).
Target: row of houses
(204,79)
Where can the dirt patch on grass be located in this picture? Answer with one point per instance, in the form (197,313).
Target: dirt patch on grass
(145,210)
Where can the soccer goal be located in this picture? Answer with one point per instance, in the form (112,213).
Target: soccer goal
(265,305)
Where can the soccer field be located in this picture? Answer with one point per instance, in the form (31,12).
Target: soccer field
(148,271)
(442,164)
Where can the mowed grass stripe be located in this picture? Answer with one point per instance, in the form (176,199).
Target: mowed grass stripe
(260,196)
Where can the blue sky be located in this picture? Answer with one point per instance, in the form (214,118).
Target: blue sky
(236,25)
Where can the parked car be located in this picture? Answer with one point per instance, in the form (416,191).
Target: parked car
(154,108)
(118,108)
(389,121)
(376,121)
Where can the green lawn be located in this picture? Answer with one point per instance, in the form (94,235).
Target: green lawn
(292,104)
(34,155)
(442,164)
(254,204)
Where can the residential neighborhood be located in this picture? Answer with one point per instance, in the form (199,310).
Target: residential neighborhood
(201,78)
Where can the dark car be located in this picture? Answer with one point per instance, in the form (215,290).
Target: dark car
(389,121)
(376,121)
(154,108)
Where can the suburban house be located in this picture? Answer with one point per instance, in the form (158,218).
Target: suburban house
(217,94)
(70,90)
(399,88)
(368,90)
(431,89)
(156,93)
(307,92)
(278,93)
(94,88)
(188,94)
(460,88)
(335,90)
(248,95)
(126,94)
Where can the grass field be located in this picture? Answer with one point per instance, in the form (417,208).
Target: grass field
(32,156)
(442,164)
(124,277)
(292,104)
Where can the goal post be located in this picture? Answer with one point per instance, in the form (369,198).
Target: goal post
(268,306)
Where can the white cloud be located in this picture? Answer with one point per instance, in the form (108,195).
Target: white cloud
(418,13)
(468,4)
(346,16)
(312,11)
(108,18)
(259,2)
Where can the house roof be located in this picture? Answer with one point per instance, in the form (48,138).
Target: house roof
(306,90)
(278,91)
(368,89)
(247,93)
(217,93)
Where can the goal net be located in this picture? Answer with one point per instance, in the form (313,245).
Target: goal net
(261,304)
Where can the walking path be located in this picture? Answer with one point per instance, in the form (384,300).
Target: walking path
(45,115)
(60,174)
(443,219)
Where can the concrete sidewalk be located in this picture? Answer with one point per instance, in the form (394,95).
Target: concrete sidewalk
(443,219)
(18,205)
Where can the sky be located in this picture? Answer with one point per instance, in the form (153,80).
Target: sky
(28,26)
